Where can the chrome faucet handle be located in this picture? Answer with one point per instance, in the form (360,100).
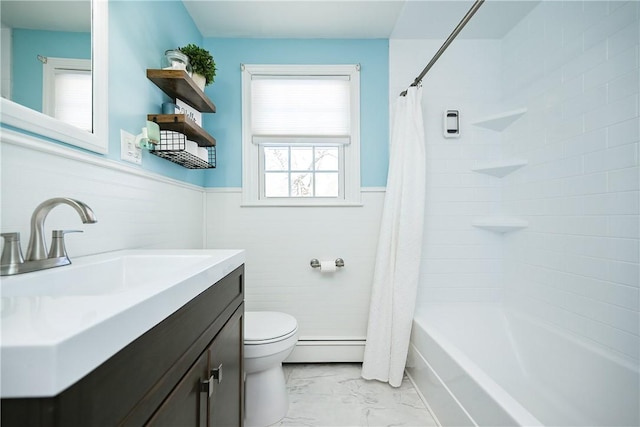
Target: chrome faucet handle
(12,252)
(58,249)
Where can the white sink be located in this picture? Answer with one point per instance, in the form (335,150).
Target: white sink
(59,324)
(120,273)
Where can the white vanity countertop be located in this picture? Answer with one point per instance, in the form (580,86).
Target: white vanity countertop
(58,325)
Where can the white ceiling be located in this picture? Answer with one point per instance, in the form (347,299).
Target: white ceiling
(401,19)
(436,19)
(406,19)
(294,19)
(52,15)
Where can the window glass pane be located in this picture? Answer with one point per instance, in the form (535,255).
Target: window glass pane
(300,106)
(302,158)
(326,158)
(276,158)
(290,172)
(276,184)
(327,184)
(301,185)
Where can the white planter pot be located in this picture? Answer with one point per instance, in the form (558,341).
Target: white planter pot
(199,80)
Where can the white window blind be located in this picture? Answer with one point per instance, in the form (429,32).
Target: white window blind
(73,98)
(67,91)
(309,107)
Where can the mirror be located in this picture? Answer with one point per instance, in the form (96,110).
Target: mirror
(49,49)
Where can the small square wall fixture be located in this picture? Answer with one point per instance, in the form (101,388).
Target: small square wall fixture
(451,124)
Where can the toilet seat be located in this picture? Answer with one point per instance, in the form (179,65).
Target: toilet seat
(265,327)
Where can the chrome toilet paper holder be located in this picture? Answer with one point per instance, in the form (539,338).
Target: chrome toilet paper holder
(315,263)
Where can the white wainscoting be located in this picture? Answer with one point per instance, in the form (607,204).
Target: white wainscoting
(331,308)
(134,208)
(138,209)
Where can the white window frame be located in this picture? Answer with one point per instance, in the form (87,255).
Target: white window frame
(49,69)
(252,169)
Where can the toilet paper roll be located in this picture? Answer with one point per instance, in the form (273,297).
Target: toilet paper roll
(327,266)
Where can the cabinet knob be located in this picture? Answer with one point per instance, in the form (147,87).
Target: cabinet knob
(206,386)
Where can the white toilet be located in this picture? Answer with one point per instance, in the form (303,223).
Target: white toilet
(269,337)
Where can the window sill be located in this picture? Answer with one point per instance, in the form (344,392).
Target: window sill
(306,203)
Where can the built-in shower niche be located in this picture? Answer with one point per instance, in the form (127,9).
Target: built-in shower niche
(500,168)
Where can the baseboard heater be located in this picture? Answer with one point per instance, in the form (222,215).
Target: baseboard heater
(327,350)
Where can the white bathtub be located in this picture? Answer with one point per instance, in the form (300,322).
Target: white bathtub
(481,365)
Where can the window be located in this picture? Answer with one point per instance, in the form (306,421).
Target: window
(67,91)
(301,135)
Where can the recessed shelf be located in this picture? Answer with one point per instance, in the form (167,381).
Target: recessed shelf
(500,224)
(179,123)
(178,84)
(500,122)
(500,168)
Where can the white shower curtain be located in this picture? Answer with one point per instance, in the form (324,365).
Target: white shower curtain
(397,265)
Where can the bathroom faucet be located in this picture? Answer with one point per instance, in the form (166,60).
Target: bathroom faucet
(37,257)
(37,248)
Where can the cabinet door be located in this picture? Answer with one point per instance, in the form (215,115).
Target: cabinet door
(226,406)
(186,405)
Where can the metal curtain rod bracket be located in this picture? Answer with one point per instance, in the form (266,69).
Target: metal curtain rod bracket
(446,44)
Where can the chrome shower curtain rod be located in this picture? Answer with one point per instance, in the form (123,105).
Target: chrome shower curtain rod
(446,44)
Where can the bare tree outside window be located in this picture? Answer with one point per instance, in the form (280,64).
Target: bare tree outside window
(301,171)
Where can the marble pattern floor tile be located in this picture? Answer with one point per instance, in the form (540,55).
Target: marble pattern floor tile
(334,394)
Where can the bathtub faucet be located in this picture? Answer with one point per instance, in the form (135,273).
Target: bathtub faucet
(37,257)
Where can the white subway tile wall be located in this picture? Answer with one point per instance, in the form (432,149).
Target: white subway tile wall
(575,66)
(576,266)
(459,262)
(280,243)
(133,210)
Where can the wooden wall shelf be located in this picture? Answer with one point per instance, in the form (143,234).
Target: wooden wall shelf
(179,123)
(178,84)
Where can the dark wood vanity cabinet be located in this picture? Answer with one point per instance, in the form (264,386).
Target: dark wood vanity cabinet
(210,388)
(186,371)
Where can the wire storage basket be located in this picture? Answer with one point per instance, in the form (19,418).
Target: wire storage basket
(174,147)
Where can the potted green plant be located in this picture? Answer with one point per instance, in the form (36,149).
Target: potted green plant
(202,63)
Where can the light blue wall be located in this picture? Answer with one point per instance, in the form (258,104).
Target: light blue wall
(139,34)
(226,124)
(27,69)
